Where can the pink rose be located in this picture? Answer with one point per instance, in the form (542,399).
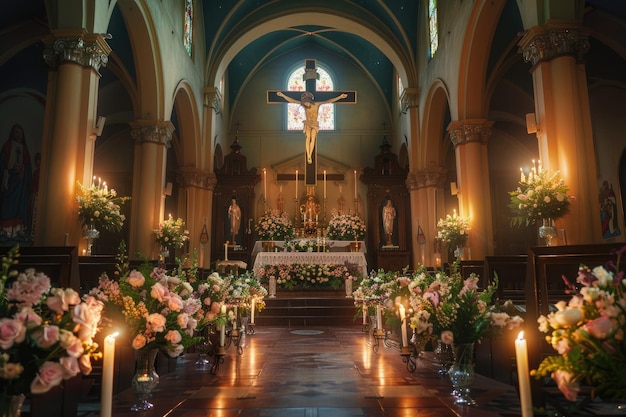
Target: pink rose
(175,303)
(28,316)
(50,375)
(447,337)
(46,336)
(139,342)
(176,351)
(173,336)
(599,328)
(159,292)
(563,380)
(136,279)
(182,320)
(157,322)
(84,363)
(216,307)
(11,331)
(70,366)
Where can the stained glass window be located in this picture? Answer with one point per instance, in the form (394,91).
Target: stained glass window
(295,112)
(433,28)
(188,32)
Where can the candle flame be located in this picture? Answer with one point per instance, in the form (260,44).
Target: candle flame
(114,335)
(520,336)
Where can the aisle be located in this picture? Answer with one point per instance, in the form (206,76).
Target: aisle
(313,372)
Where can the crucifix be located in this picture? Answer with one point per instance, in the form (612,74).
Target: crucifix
(310,100)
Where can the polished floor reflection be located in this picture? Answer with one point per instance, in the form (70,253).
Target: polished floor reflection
(314,372)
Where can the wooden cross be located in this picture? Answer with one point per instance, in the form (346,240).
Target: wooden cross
(311,128)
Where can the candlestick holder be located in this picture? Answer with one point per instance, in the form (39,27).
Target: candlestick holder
(356,206)
(324,222)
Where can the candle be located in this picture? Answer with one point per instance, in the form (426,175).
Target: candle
(108,360)
(226,251)
(379,317)
(521,356)
(223,329)
(324,184)
(252,308)
(264,184)
(364,313)
(522,179)
(403,321)
(296,184)
(355,184)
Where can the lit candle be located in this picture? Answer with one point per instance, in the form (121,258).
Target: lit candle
(521,356)
(522,179)
(252,308)
(355,184)
(226,251)
(403,321)
(108,360)
(324,184)
(296,184)
(264,184)
(379,316)
(364,313)
(223,328)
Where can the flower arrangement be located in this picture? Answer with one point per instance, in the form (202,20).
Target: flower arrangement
(541,195)
(588,332)
(100,207)
(306,245)
(46,333)
(156,310)
(172,233)
(375,287)
(346,227)
(290,276)
(453,230)
(274,225)
(455,308)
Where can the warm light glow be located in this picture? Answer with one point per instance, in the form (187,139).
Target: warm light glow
(520,336)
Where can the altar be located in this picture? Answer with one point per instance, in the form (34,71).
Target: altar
(312,268)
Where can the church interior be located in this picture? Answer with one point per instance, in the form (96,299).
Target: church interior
(399,113)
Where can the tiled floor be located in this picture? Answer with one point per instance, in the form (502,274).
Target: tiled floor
(334,372)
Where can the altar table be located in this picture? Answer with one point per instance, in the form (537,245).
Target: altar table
(334,245)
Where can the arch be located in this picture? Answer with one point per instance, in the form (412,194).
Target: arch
(189,153)
(432,149)
(146,51)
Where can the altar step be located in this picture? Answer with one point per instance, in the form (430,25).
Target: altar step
(308,309)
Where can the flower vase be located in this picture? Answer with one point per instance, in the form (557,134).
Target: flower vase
(90,234)
(165,253)
(445,356)
(145,378)
(462,373)
(13,405)
(348,283)
(204,347)
(547,231)
(268,246)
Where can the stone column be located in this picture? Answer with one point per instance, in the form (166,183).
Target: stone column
(74,58)
(470,138)
(196,186)
(564,122)
(152,138)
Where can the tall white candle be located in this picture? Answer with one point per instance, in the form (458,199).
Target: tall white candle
(223,329)
(521,356)
(379,316)
(252,308)
(355,184)
(108,361)
(226,251)
(364,313)
(403,321)
(296,184)
(264,184)
(324,184)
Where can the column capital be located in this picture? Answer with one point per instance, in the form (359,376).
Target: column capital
(425,178)
(409,99)
(86,49)
(469,130)
(554,39)
(213,99)
(155,131)
(195,177)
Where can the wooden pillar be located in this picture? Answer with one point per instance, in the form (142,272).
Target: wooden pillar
(470,138)
(152,138)
(68,143)
(564,122)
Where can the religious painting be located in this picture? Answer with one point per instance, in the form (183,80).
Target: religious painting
(20,156)
(608,211)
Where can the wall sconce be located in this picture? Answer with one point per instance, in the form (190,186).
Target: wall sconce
(97,129)
(167,191)
(531,123)
(454,189)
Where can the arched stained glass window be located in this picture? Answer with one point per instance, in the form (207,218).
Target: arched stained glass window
(295,112)
(433,28)
(188,29)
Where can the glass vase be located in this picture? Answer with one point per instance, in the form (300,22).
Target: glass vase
(348,283)
(91,233)
(462,373)
(13,405)
(145,378)
(547,231)
(445,356)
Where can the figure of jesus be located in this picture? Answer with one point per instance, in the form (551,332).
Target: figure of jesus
(389,214)
(234,214)
(311,124)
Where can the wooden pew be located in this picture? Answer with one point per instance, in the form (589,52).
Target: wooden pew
(59,263)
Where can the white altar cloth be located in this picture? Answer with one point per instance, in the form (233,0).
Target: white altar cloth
(311,258)
(334,245)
